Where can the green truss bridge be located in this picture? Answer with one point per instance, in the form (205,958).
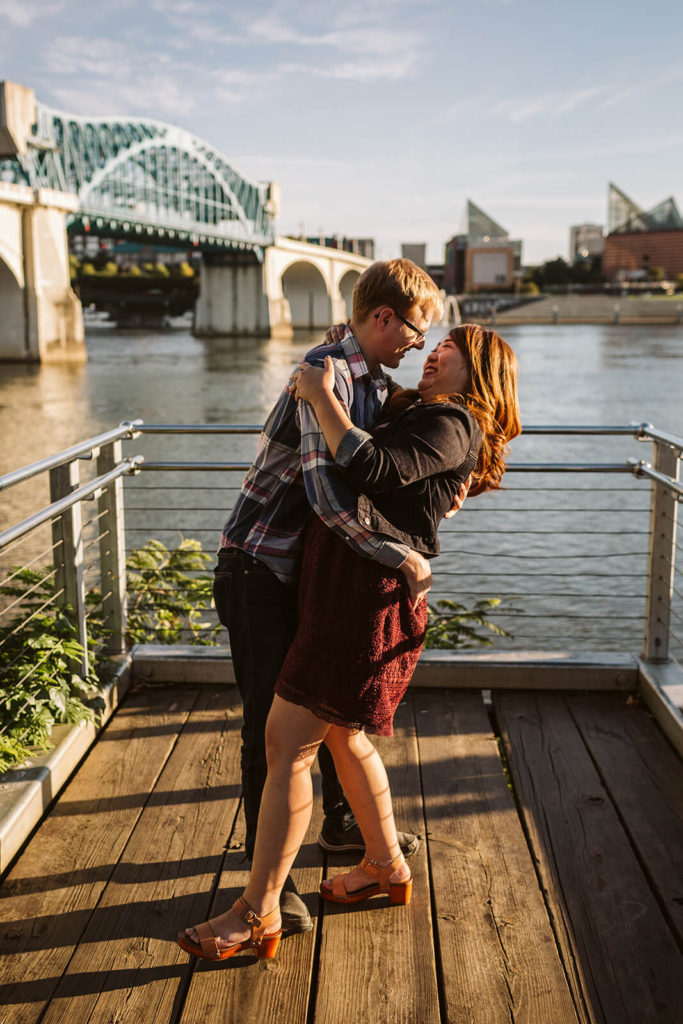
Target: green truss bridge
(153,182)
(142,178)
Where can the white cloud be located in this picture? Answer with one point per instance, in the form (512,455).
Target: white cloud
(152,95)
(517,109)
(211,35)
(77,55)
(370,70)
(22,14)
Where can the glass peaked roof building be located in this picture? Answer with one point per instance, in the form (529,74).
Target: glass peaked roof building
(642,244)
(482,257)
(626,217)
(481,227)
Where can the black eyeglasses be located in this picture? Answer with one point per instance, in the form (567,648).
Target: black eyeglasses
(420,334)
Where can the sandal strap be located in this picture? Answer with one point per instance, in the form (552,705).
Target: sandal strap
(339,887)
(382,872)
(257,924)
(207,939)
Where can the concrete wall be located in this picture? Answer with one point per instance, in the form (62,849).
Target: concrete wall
(41,318)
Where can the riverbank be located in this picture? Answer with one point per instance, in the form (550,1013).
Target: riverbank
(594,309)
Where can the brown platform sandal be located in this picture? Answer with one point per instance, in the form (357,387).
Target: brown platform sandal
(263,945)
(399,892)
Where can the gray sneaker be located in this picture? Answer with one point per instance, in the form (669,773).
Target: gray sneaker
(337,839)
(294,912)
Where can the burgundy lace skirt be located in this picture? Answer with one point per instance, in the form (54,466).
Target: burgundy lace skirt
(358,638)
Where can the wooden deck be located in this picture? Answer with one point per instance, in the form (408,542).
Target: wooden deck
(549,888)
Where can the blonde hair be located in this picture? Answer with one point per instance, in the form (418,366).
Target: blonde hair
(400,284)
(491,397)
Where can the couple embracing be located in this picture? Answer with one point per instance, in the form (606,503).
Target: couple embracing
(321,581)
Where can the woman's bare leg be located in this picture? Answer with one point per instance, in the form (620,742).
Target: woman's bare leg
(293,735)
(366,787)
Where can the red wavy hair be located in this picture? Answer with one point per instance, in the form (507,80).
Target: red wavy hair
(491,397)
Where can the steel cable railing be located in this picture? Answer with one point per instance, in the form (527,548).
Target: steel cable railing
(562,546)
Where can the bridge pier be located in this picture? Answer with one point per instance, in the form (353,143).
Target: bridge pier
(42,318)
(231,299)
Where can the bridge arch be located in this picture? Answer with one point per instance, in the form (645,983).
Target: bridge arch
(12,323)
(346,286)
(13,320)
(305,289)
(451,312)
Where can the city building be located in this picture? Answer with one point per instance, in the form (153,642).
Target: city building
(415,251)
(586,241)
(484,258)
(641,244)
(359,246)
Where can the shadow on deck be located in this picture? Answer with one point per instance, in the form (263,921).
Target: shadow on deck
(549,888)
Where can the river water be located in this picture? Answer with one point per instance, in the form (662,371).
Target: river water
(549,528)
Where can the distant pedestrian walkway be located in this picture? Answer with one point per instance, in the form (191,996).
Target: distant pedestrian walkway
(595,309)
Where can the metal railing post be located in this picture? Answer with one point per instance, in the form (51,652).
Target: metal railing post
(112,552)
(67,534)
(663,513)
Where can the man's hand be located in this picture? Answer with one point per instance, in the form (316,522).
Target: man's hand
(459,499)
(418,577)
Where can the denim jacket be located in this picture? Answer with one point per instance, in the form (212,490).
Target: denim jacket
(409,470)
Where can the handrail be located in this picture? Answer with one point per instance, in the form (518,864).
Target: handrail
(199,428)
(637,430)
(646,469)
(512,467)
(128,429)
(57,507)
(651,433)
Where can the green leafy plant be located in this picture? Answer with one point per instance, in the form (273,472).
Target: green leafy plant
(167,600)
(38,659)
(453,626)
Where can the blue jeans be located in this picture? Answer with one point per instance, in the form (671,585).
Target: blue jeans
(259,613)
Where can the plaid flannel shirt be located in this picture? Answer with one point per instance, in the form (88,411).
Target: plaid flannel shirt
(294,472)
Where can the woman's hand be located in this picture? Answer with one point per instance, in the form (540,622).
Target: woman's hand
(308,382)
(334,334)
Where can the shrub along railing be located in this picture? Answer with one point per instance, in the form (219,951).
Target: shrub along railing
(76,597)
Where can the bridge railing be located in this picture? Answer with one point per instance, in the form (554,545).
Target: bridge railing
(577,555)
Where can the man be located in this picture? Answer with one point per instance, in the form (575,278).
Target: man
(254,589)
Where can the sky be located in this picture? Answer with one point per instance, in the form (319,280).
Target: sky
(380,118)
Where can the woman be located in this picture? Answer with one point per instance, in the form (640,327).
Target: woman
(359,637)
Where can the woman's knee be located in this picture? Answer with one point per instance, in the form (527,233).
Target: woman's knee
(344,742)
(291,739)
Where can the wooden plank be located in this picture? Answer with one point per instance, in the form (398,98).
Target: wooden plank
(128,967)
(377,961)
(51,892)
(498,956)
(244,990)
(618,949)
(644,778)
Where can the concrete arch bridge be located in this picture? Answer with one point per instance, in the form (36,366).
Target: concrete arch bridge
(147,181)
